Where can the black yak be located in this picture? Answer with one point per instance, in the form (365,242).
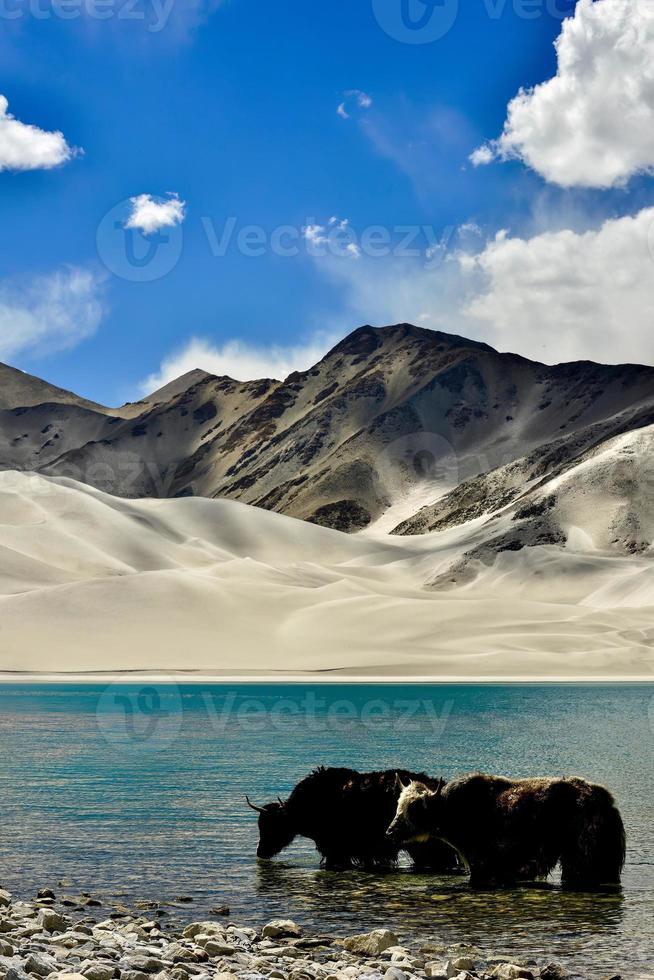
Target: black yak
(346,813)
(511,829)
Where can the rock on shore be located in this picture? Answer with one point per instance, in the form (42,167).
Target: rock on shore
(39,940)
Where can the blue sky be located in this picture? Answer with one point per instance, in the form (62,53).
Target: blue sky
(232,107)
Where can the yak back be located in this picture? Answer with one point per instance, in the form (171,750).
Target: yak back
(480,787)
(531,824)
(362,802)
(494,800)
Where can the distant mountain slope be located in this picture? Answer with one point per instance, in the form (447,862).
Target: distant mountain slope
(497,489)
(155,453)
(40,422)
(390,419)
(601,502)
(20,390)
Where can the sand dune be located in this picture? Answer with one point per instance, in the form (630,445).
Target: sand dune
(90,582)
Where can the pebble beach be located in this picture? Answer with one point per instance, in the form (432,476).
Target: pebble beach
(79,939)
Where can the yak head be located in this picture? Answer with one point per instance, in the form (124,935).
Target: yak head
(417,815)
(275,829)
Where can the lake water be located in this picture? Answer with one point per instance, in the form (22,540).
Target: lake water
(134,793)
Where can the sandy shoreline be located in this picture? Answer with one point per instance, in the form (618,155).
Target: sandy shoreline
(274,678)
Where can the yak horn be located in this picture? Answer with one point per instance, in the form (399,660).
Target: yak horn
(281,802)
(253,806)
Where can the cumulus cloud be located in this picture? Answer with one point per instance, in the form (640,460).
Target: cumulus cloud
(49,313)
(554,296)
(353,99)
(239,360)
(150,214)
(26,147)
(592,125)
(565,295)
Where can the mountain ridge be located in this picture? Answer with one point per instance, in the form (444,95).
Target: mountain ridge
(393,422)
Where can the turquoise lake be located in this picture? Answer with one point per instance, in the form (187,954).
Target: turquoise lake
(136,792)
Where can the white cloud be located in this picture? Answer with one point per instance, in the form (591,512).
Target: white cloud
(354,98)
(49,313)
(364,101)
(315,234)
(564,295)
(482,155)
(592,124)
(25,147)
(336,238)
(239,360)
(469,228)
(554,296)
(557,296)
(149,214)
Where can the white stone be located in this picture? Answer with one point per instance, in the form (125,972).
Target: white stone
(51,921)
(460,964)
(510,971)
(371,943)
(280,928)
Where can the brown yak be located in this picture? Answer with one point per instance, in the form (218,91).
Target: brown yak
(511,829)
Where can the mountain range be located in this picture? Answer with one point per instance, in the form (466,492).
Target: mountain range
(397,428)
(503,511)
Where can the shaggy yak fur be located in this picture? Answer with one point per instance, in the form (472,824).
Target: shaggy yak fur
(511,829)
(346,813)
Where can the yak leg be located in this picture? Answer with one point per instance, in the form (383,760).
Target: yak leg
(334,861)
(578,874)
(595,854)
(434,856)
(492,870)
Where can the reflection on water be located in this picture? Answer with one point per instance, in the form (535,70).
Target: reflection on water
(136,794)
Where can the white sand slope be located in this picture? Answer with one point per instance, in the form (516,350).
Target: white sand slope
(90,582)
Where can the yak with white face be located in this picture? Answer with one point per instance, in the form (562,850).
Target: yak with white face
(506,830)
